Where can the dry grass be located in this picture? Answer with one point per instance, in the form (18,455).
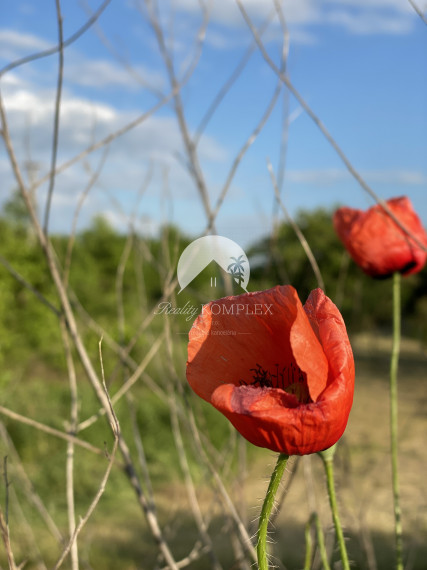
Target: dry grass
(363,465)
(116,537)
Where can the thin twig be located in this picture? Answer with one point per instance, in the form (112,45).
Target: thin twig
(244,536)
(116,431)
(57,113)
(109,138)
(228,84)
(28,286)
(6,486)
(286,119)
(25,483)
(128,384)
(92,181)
(28,541)
(80,347)
(199,42)
(190,148)
(4,520)
(55,49)
(183,461)
(69,466)
(50,430)
(124,62)
(249,142)
(4,529)
(297,230)
(142,459)
(284,77)
(418,11)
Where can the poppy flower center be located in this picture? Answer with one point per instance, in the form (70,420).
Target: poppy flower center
(289,378)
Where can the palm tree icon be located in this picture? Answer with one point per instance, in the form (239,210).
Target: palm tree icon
(236,268)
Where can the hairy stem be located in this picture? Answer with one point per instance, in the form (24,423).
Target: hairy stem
(394,363)
(267,507)
(328,462)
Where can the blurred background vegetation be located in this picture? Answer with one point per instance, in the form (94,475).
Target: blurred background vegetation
(28,331)
(119,280)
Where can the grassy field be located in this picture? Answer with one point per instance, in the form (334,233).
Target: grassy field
(116,536)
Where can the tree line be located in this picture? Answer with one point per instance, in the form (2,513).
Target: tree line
(99,259)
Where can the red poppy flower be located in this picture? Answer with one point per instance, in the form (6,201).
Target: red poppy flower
(283,374)
(377,243)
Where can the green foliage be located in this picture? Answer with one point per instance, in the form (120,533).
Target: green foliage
(26,325)
(119,281)
(365,303)
(102,278)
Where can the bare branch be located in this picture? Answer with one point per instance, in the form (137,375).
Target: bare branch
(92,181)
(91,508)
(129,382)
(109,138)
(116,431)
(182,456)
(50,430)
(228,503)
(190,148)
(26,537)
(418,11)
(141,453)
(26,485)
(249,142)
(4,530)
(120,58)
(286,118)
(57,113)
(80,347)
(69,466)
(28,286)
(324,130)
(297,231)
(227,85)
(65,44)
(6,486)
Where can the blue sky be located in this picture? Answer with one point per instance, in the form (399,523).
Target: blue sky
(360,65)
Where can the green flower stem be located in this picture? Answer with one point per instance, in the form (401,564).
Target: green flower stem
(308,545)
(393,419)
(314,519)
(328,462)
(321,543)
(266,510)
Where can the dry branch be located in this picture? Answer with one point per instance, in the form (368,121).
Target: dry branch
(285,78)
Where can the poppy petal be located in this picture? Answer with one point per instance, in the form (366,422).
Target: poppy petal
(329,326)
(270,418)
(309,354)
(377,244)
(313,337)
(269,328)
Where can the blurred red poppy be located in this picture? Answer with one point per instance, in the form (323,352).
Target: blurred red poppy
(377,244)
(283,374)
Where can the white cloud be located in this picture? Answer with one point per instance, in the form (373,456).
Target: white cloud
(367,22)
(79,70)
(401,177)
(321,177)
(158,140)
(328,177)
(144,225)
(355,16)
(228,13)
(398,5)
(103,73)
(15,44)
